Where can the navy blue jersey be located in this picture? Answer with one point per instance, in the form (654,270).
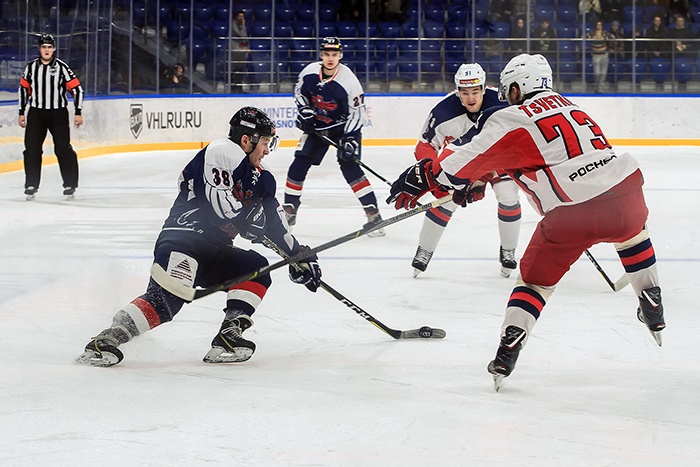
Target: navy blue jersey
(449,120)
(339,101)
(219,190)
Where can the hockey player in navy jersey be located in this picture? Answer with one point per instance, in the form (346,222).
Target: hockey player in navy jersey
(452,117)
(225,191)
(331,102)
(586,192)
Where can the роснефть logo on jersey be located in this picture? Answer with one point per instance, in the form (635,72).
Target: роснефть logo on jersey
(136,122)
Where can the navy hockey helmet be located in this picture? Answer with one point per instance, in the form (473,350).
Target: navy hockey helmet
(255,123)
(47,39)
(331,43)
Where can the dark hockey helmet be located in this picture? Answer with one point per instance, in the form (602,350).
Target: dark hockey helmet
(47,39)
(331,43)
(255,123)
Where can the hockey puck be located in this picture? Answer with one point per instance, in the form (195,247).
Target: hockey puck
(426,332)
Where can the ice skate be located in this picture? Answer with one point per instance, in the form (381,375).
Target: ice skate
(508,263)
(290,213)
(69,193)
(102,350)
(651,312)
(30,192)
(506,355)
(229,346)
(420,261)
(373,217)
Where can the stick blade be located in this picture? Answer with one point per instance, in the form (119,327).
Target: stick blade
(425,332)
(621,283)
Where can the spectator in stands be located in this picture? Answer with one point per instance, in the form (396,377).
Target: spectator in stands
(680,33)
(616,47)
(352,10)
(519,31)
(546,40)
(660,47)
(591,9)
(520,8)
(175,80)
(500,10)
(611,10)
(241,47)
(679,7)
(599,39)
(393,10)
(376,11)
(655,8)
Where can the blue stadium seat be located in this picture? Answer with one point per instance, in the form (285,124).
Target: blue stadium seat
(367,30)
(260,71)
(200,51)
(683,69)
(567,15)
(433,29)
(220,29)
(261,30)
(456,30)
(346,29)
(565,31)
(458,13)
(500,30)
(386,70)
(259,45)
(567,47)
(283,29)
(542,13)
(283,13)
(389,29)
(221,13)
(326,29)
(640,69)
(327,13)
(659,69)
(569,71)
(434,13)
(303,29)
(305,12)
(262,13)
(409,29)
(408,70)
(203,12)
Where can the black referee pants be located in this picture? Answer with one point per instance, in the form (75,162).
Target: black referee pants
(55,121)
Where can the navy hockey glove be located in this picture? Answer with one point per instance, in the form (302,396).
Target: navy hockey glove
(348,148)
(306,120)
(306,272)
(474,192)
(251,224)
(416,181)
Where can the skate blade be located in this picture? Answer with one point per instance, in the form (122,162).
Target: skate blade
(416,272)
(377,233)
(102,359)
(506,272)
(30,197)
(498,382)
(221,355)
(70,197)
(657,337)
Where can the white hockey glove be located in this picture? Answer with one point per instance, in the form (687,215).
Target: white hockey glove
(348,149)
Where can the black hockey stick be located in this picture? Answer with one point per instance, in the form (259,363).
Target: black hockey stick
(362,164)
(621,283)
(189,294)
(425,332)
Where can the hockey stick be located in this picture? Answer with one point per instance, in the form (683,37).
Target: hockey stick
(189,294)
(425,332)
(362,164)
(621,283)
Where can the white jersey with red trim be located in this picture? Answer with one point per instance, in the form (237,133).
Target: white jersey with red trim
(449,120)
(339,101)
(550,147)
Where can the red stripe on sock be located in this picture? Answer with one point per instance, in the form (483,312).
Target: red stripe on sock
(148,311)
(360,185)
(638,258)
(253,287)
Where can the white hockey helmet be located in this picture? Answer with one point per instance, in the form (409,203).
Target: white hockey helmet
(530,72)
(470,75)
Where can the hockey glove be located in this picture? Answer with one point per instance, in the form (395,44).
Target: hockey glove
(474,192)
(416,181)
(306,272)
(306,120)
(251,223)
(348,148)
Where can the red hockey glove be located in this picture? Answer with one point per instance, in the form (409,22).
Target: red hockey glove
(416,181)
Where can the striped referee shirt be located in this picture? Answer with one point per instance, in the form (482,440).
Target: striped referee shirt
(44,86)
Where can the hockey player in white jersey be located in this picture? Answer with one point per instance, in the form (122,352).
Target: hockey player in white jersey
(570,173)
(331,102)
(224,191)
(452,117)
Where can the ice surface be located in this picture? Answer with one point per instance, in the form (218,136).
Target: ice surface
(325,387)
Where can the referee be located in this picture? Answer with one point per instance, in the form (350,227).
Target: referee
(43,86)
